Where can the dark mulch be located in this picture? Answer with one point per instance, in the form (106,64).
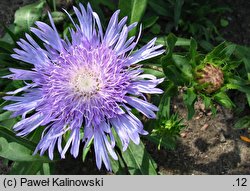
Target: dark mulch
(239,22)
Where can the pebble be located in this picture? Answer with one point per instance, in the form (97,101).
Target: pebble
(222,138)
(183,135)
(204,127)
(209,113)
(198,117)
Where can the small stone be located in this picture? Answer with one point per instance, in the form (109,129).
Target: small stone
(209,113)
(198,117)
(222,138)
(202,107)
(183,135)
(204,127)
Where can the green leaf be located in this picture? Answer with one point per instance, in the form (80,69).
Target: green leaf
(224,22)
(242,52)
(222,51)
(87,149)
(207,101)
(30,168)
(58,17)
(189,99)
(25,168)
(239,84)
(23,149)
(164,106)
(248,99)
(8,123)
(156,73)
(97,5)
(52,3)
(171,40)
(167,61)
(27,15)
(9,37)
(243,123)
(223,99)
(5,56)
(206,45)
(118,166)
(172,72)
(148,22)
(166,142)
(46,169)
(193,52)
(134,9)
(159,7)
(138,160)
(182,42)
(6,46)
(184,65)
(177,11)
(213,109)
(5,115)
(155,29)
(179,42)
(216,51)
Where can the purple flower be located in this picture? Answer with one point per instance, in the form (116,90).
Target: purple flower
(85,86)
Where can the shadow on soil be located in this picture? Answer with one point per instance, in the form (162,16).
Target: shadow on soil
(180,161)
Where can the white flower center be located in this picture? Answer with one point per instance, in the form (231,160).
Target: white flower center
(85,82)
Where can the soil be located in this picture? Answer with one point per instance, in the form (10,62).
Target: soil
(209,144)
(239,22)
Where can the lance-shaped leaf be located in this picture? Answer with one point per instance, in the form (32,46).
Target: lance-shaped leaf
(134,9)
(27,15)
(16,148)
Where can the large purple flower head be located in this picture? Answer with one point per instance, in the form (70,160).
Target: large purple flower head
(85,86)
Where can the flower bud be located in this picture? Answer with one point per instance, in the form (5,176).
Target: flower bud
(211,77)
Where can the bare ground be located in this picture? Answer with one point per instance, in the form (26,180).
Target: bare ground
(209,145)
